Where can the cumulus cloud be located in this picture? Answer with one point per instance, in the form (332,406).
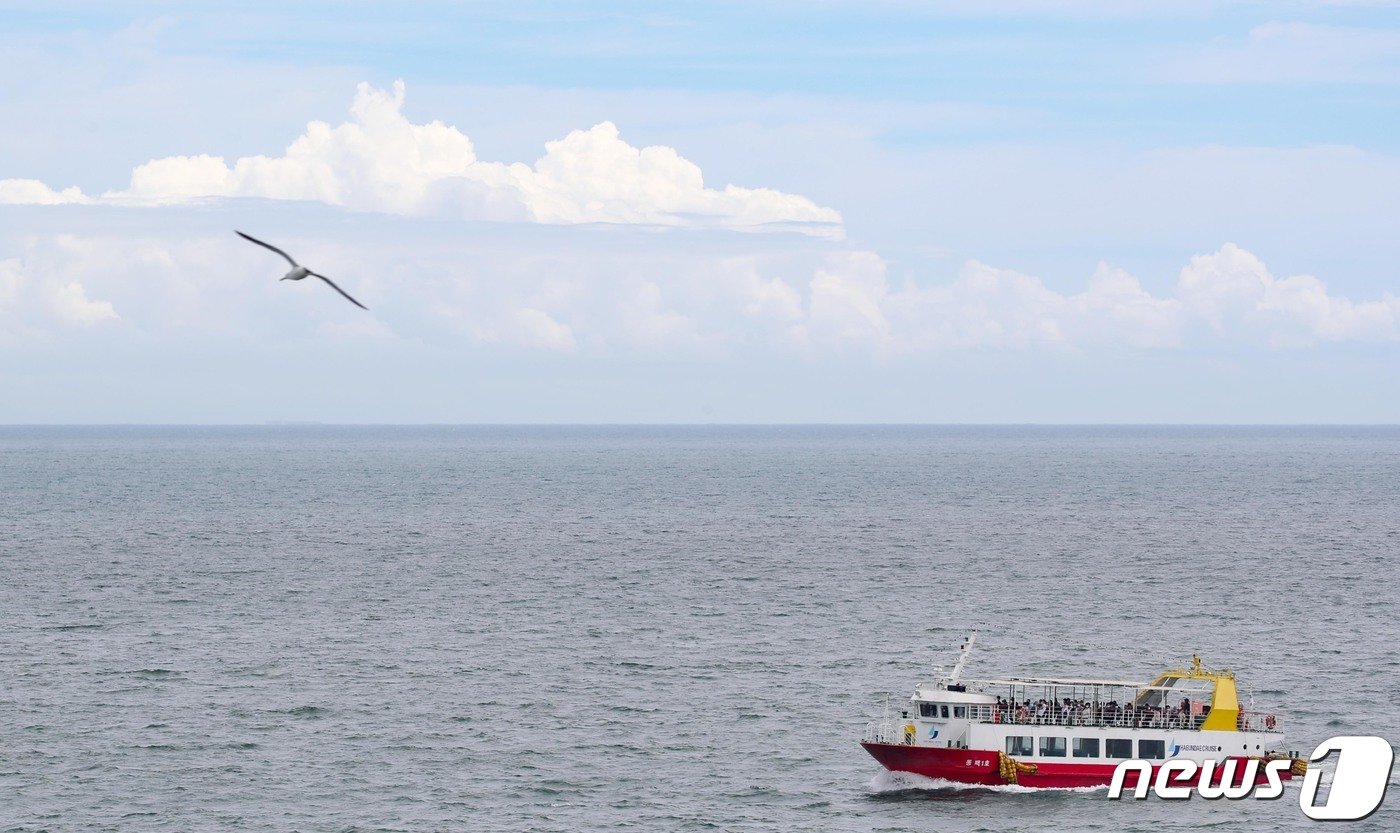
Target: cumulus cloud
(646,320)
(33,299)
(849,298)
(1228,295)
(34,192)
(1232,290)
(851,302)
(536,328)
(598,299)
(994,307)
(71,304)
(771,298)
(380,161)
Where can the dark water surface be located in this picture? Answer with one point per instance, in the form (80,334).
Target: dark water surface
(652,629)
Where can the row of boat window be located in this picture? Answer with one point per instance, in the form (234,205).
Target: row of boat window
(931,710)
(1055,747)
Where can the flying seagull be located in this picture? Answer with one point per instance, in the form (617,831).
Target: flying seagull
(299,272)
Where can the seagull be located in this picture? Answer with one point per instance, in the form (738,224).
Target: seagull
(299,272)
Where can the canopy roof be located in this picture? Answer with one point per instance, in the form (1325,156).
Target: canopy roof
(1061,681)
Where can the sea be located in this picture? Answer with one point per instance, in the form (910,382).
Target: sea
(321,628)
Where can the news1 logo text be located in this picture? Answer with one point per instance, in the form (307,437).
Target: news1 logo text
(1361,774)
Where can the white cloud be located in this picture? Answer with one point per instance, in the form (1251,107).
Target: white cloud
(1227,296)
(380,161)
(852,303)
(646,321)
(1117,309)
(12,280)
(33,300)
(71,304)
(594,176)
(848,300)
(771,298)
(34,192)
(985,306)
(1221,285)
(1234,292)
(536,328)
(581,295)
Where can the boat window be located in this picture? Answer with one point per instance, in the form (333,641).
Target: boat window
(1020,745)
(1086,747)
(928,710)
(1118,748)
(1052,747)
(960,711)
(1152,750)
(945,712)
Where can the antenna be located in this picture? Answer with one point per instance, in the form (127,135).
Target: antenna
(963,651)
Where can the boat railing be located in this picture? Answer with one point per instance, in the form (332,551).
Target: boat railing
(1253,721)
(1109,718)
(885,731)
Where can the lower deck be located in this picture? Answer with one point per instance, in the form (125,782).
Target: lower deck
(1071,742)
(980,766)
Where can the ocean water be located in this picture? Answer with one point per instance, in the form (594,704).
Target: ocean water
(651,629)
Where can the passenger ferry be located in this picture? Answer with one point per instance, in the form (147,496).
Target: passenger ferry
(1072,732)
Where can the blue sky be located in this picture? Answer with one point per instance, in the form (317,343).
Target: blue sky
(989,212)
(1256,73)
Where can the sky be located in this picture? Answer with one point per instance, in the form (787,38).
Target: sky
(1007,211)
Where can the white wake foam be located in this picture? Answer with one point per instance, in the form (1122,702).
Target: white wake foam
(887,782)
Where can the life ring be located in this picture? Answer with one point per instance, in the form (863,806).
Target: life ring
(1269,722)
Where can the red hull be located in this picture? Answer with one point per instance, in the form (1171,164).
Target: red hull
(979,766)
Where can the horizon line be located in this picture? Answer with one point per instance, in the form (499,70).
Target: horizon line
(316,424)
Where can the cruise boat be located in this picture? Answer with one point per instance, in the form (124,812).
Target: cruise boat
(1074,732)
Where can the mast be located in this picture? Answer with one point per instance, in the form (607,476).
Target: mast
(963,651)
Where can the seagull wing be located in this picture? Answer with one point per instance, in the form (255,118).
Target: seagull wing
(267,246)
(341,291)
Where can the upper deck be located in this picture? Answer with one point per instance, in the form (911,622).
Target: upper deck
(1185,698)
(1102,716)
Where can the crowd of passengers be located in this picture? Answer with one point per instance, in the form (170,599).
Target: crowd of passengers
(1068,712)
